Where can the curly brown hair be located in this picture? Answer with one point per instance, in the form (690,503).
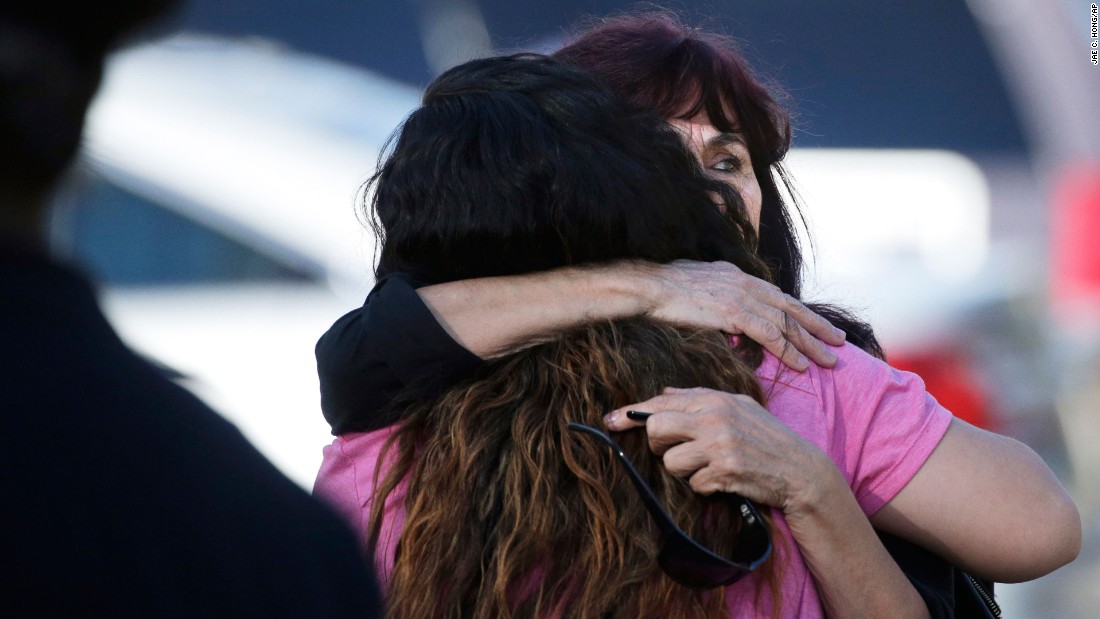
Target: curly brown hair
(510,514)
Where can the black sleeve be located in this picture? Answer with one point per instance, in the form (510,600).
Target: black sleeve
(931,576)
(392,344)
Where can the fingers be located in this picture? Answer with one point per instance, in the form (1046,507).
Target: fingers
(708,467)
(674,399)
(767,329)
(670,429)
(805,343)
(720,295)
(618,421)
(724,442)
(809,320)
(664,429)
(706,482)
(783,325)
(680,415)
(684,460)
(790,330)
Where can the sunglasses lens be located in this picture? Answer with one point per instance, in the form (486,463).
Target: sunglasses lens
(754,544)
(682,562)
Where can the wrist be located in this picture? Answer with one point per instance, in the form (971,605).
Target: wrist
(816,492)
(620,290)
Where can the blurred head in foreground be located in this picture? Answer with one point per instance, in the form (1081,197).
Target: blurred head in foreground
(51,63)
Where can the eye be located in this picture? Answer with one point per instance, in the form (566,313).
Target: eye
(729,164)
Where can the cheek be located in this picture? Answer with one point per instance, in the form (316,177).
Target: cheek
(748,188)
(750,193)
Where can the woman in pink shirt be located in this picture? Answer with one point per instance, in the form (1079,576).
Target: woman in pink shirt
(871,427)
(864,436)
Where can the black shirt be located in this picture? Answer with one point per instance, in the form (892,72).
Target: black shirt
(391,345)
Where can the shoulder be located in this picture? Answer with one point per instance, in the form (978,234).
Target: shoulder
(861,381)
(876,422)
(863,390)
(350,465)
(891,424)
(855,370)
(856,377)
(351,453)
(851,358)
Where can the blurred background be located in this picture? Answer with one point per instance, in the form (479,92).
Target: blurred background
(946,154)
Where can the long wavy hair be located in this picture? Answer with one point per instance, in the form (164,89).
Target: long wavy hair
(511,514)
(655,59)
(513,165)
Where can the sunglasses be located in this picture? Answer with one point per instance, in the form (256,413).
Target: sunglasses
(682,558)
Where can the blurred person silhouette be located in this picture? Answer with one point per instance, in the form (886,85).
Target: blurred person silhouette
(125,495)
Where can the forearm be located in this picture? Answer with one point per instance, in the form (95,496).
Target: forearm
(988,504)
(854,573)
(494,316)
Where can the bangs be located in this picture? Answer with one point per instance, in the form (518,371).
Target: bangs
(693,79)
(654,60)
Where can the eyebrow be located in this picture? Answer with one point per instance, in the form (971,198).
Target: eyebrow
(726,139)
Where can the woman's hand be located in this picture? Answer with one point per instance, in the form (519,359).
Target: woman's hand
(719,295)
(494,316)
(723,442)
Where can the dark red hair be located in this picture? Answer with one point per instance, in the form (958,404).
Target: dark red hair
(654,59)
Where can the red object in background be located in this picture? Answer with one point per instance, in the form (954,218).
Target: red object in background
(1075,240)
(949,377)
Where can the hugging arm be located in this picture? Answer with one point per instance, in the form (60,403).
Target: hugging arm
(497,315)
(425,339)
(988,503)
(984,502)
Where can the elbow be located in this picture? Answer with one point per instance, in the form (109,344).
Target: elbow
(1048,522)
(1072,545)
(1055,541)
(1056,528)
(1065,543)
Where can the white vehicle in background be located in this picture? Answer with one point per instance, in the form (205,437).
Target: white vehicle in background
(216,205)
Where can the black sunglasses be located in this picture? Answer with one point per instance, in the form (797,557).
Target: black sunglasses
(682,558)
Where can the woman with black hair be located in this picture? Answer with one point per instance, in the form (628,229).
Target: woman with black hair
(683,73)
(521,164)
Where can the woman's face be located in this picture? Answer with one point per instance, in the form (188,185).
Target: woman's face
(725,156)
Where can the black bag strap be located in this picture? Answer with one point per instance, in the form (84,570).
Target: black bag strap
(974,597)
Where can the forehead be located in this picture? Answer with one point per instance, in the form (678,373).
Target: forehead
(699,131)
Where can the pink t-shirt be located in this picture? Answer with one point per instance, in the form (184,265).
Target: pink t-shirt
(877,424)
